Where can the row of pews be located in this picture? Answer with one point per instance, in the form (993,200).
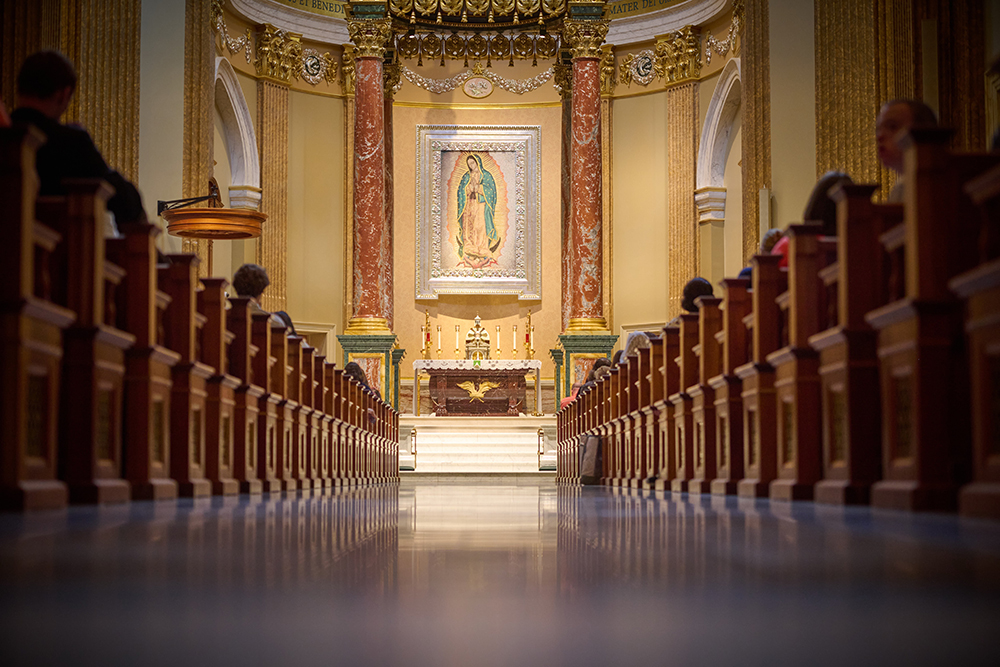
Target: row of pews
(122,377)
(868,371)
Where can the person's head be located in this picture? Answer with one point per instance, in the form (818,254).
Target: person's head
(894,118)
(353,370)
(46,82)
(695,287)
(602,362)
(287,319)
(770,237)
(601,373)
(250,280)
(617,358)
(473,164)
(820,207)
(635,342)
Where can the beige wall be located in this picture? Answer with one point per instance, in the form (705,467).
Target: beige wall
(733,232)
(316,210)
(640,210)
(161,107)
(793,109)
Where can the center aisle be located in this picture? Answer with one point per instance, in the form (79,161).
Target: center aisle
(498,571)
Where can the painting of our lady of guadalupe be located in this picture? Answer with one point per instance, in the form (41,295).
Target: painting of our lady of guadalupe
(478,226)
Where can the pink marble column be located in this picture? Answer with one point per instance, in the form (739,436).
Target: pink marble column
(370,277)
(386,257)
(586,260)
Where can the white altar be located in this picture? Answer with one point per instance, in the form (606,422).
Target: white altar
(428,366)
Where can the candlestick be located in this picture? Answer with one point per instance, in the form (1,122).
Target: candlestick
(498,341)
(513,343)
(456,341)
(439,341)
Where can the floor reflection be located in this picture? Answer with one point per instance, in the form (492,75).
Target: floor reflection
(453,573)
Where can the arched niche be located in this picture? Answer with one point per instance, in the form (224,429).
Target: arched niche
(240,138)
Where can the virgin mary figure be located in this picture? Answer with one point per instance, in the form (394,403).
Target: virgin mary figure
(477,200)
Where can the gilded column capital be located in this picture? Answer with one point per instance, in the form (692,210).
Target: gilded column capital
(608,80)
(278,54)
(585,37)
(347,70)
(563,80)
(369,36)
(392,77)
(677,56)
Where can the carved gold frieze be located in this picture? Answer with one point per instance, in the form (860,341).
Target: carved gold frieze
(677,56)
(608,80)
(347,70)
(369,36)
(563,80)
(279,54)
(392,80)
(585,37)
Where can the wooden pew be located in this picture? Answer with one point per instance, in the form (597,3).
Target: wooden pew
(757,375)
(93,368)
(299,368)
(283,387)
(32,324)
(242,359)
(849,374)
(269,373)
(148,365)
(220,405)
(651,393)
(732,336)
(683,404)
(705,447)
(670,377)
(188,400)
(979,288)
(324,399)
(631,423)
(796,364)
(611,437)
(926,444)
(339,428)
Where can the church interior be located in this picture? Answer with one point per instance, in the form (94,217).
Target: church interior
(722,278)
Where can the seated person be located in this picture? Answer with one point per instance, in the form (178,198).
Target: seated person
(820,208)
(694,288)
(250,280)
(896,118)
(767,243)
(45,87)
(353,370)
(287,319)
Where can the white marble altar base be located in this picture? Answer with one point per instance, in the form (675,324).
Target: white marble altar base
(477,444)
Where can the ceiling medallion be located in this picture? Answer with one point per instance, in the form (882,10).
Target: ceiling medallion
(638,67)
(477,87)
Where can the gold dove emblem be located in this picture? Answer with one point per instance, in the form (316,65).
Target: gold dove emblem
(477,394)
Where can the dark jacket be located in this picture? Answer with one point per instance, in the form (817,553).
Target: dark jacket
(69,152)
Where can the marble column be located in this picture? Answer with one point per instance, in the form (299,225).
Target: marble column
(371,275)
(392,74)
(564,85)
(586,252)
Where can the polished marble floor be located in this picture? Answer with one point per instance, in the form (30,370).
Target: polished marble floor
(441,571)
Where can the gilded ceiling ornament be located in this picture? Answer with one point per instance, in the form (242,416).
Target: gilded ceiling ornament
(608,70)
(318,67)
(441,86)
(392,79)
(585,37)
(279,53)
(678,56)
(638,67)
(722,47)
(347,70)
(564,80)
(234,44)
(369,36)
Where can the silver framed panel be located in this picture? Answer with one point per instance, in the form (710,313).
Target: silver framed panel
(515,153)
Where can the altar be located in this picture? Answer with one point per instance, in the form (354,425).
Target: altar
(494,387)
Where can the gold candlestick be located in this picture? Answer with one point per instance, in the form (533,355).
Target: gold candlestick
(513,344)
(498,341)
(439,341)
(456,341)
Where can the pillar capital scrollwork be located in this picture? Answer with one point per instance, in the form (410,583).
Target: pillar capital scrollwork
(347,70)
(563,80)
(369,36)
(677,56)
(608,80)
(278,54)
(585,37)
(392,76)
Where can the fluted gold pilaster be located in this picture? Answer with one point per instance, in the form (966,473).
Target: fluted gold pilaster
(272,138)
(199,112)
(756,109)
(682,218)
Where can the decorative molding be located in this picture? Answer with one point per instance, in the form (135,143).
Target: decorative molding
(646,28)
(718,126)
(441,86)
(243,43)
(711,205)
(318,67)
(240,137)
(563,75)
(585,37)
(608,80)
(347,67)
(722,47)
(392,80)
(682,231)
(677,56)
(272,246)
(278,54)
(638,67)
(369,37)
(313,27)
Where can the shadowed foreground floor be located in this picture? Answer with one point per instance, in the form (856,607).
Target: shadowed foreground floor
(516,572)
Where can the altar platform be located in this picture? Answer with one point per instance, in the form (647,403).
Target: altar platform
(479,444)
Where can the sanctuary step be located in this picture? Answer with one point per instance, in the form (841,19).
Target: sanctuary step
(477,444)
